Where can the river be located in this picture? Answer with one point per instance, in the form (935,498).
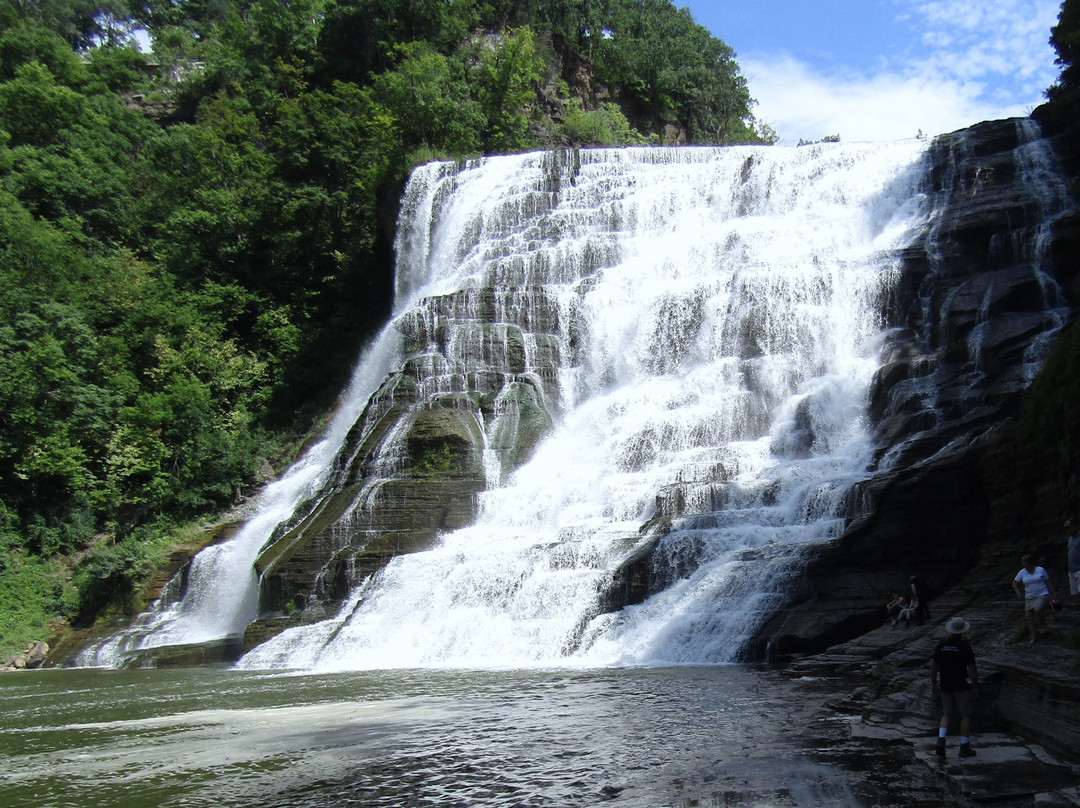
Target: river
(629,737)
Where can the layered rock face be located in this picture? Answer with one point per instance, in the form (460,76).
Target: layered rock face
(470,400)
(975,487)
(985,295)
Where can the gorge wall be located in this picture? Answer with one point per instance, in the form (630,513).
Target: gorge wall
(974,489)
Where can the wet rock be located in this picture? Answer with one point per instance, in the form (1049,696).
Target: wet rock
(468,402)
(1024,727)
(33,657)
(216,652)
(977,307)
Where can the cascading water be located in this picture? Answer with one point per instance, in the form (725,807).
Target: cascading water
(217,597)
(702,324)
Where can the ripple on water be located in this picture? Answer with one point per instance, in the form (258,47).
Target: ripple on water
(643,738)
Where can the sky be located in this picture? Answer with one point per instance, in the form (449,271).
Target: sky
(871,70)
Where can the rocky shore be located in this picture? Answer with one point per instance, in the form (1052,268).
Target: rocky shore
(878,714)
(978,487)
(33,657)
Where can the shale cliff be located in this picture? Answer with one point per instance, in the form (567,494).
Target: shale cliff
(986,468)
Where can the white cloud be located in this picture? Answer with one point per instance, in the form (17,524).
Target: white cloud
(984,38)
(802,104)
(969,60)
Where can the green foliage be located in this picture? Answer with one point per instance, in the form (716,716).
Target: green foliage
(673,70)
(1065,38)
(506,79)
(606,126)
(118,69)
(359,38)
(113,575)
(33,594)
(435,460)
(430,98)
(27,43)
(34,109)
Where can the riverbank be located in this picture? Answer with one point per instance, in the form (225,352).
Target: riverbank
(876,700)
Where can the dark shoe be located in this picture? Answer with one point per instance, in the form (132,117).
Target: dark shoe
(966,750)
(939,750)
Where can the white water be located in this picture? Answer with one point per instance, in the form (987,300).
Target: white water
(222,594)
(734,285)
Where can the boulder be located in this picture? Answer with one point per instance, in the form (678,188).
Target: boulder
(33,657)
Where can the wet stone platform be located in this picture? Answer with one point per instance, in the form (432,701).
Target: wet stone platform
(878,715)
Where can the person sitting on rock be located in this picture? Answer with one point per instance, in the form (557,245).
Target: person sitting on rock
(1037,592)
(909,613)
(894,607)
(953,675)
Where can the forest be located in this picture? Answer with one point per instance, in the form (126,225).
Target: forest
(197,201)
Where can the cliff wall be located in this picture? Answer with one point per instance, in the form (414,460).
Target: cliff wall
(991,477)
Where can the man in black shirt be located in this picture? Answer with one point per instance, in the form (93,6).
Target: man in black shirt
(954,675)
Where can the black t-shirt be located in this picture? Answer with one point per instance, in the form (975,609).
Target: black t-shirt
(953,656)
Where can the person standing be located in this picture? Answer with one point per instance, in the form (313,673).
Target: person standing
(1036,593)
(920,598)
(1073,536)
(954,675)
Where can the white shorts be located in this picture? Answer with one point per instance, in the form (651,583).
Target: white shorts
(1074,582)
(1038,602)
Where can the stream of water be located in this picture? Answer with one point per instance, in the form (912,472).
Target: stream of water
(702,324)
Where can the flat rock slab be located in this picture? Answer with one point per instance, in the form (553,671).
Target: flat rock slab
(1004,771)
(878,710)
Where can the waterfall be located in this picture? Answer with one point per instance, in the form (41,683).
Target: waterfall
(699,325)
(697,329)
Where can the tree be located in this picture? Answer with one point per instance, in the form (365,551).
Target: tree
(672,69)
(34,108)
(55,413)
(1065,37)
(359,37)
(82,23)
(506,79)
(606,126)
(431,101)
(27,41)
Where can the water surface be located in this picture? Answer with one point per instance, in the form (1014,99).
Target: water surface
(639,738)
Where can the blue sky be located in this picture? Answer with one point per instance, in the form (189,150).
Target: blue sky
(886,69)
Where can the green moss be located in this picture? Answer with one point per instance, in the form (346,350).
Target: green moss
(1050,414)
(34,595)
(434,460)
